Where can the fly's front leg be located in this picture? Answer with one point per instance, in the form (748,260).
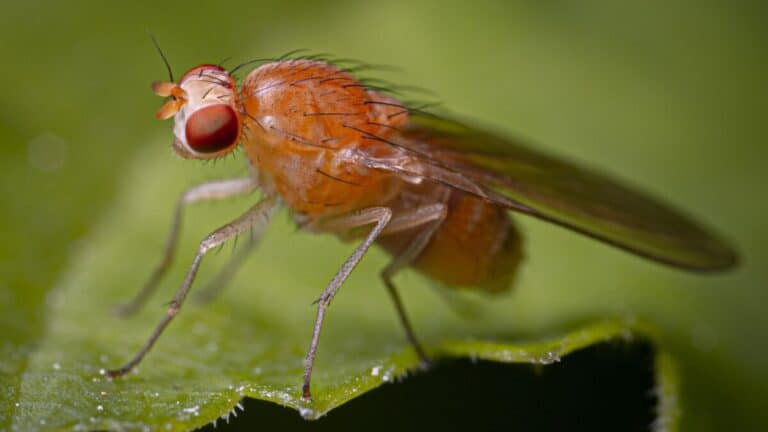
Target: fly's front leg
(203,192)
(256,217)
(381,217)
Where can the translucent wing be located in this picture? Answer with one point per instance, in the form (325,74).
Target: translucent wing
(552,189)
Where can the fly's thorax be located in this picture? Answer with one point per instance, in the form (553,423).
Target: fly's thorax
(316,104)
(308,127)
(322,182)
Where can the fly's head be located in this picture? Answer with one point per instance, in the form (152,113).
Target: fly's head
(204,106)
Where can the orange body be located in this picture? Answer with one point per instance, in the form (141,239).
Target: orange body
(432,191)
(304,121)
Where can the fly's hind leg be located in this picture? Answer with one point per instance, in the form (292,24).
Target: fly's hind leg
(429,218)
(202,192)
(382,217)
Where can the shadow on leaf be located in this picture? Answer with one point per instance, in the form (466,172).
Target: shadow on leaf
(604,387)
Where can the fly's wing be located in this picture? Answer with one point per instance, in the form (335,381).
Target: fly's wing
(560,192)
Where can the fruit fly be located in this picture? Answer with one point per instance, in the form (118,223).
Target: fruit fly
(348,159)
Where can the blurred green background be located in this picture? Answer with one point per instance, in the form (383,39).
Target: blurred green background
(672,96)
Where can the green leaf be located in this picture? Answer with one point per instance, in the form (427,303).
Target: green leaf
(252,340)
(673,102)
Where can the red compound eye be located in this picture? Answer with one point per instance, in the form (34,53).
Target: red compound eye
(212,128)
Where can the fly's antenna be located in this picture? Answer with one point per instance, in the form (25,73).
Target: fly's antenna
(162,55)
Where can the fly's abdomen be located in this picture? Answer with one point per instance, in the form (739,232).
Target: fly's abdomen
(477,246)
